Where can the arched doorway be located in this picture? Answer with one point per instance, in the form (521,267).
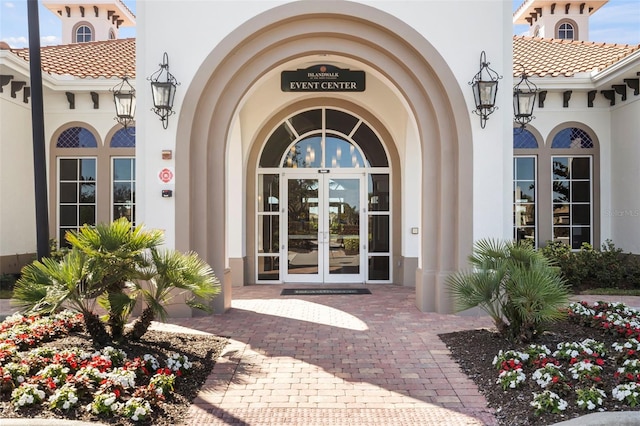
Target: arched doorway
(323,201)
(416,75)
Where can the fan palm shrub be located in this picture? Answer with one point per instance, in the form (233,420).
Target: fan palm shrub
(519,288)
(170,274)
(106,265)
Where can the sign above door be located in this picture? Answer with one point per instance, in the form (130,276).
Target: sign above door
(322,78)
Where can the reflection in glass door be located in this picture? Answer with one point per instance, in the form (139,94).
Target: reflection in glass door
(323,229)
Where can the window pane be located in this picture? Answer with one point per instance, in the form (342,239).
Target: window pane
(124,138)
(580,235)
(88,169)
(561,214)
(268,268)
(378,192)
(68,169)
(373,150)
(527,233)
(581,191)
(580,168)
(525,168)
(572,137)
(561,192)
(68,215)
(560,168)
(524,191)
(379,268)
(342,154)
(87,192)
(307,153)
(68,193)
(580,214)
(524,139)
(268,193)
(307,121)
(268,234)
(122,169)
(379,238)
(87,215)
(340,121)
(76,137)
(125,211)
(276,145)
(121,192)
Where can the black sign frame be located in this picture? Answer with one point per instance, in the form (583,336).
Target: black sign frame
(322,78)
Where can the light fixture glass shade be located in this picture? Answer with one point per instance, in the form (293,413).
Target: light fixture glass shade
(485,93)
(125,105)
(163,94)
(523,103)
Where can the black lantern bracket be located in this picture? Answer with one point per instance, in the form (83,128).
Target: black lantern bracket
(524,99)
(163,91)
(485,88)
(124,98)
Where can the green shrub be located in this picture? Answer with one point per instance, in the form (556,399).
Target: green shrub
(590,268)
(515,284)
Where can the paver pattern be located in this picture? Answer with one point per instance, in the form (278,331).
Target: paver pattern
(335,360)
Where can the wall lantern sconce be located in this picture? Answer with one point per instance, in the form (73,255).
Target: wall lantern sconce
(524,99)
(485,88)
(124,97)
(163,90)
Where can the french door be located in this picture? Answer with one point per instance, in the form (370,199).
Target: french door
(324,227)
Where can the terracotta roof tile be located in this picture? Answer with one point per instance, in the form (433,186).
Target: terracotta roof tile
(555,57)
(113,58)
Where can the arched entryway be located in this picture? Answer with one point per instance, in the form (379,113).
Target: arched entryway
(214,121)
(323,201)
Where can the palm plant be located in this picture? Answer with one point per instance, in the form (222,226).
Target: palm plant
(48,285)
(167,273)
(111,265)
(115,254)
(514,284)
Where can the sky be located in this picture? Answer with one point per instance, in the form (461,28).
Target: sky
(616,22)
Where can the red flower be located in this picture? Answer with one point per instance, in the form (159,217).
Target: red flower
(600,361)
(117,392)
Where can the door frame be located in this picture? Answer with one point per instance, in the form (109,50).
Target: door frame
(323,177)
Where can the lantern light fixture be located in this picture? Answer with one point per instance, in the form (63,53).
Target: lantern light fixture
(485,87)
(124,98)
(524,99)
(163,91)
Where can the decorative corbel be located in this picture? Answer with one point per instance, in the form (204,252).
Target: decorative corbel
(591,95)
(96,100)
(621,89)
(542,96)
(71,98)
(26,93)
(4,80)
(610,95)
(633,83)
(16,86)
(566,96)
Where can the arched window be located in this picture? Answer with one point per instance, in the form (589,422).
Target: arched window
(92,182)
(84,34)
(555,193)
(565,31)
(524,186)
(112,35)
(572,182)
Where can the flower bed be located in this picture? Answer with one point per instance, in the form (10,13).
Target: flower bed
(79,383)
(577,367)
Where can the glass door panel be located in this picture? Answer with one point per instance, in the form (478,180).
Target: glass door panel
(324,235)
(303,261)
(344,226)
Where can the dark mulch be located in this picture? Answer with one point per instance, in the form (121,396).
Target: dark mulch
(474,350)
(202,351)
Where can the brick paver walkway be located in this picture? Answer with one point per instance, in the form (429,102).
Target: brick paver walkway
(335,360)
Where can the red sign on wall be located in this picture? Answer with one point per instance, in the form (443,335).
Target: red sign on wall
(165,175)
